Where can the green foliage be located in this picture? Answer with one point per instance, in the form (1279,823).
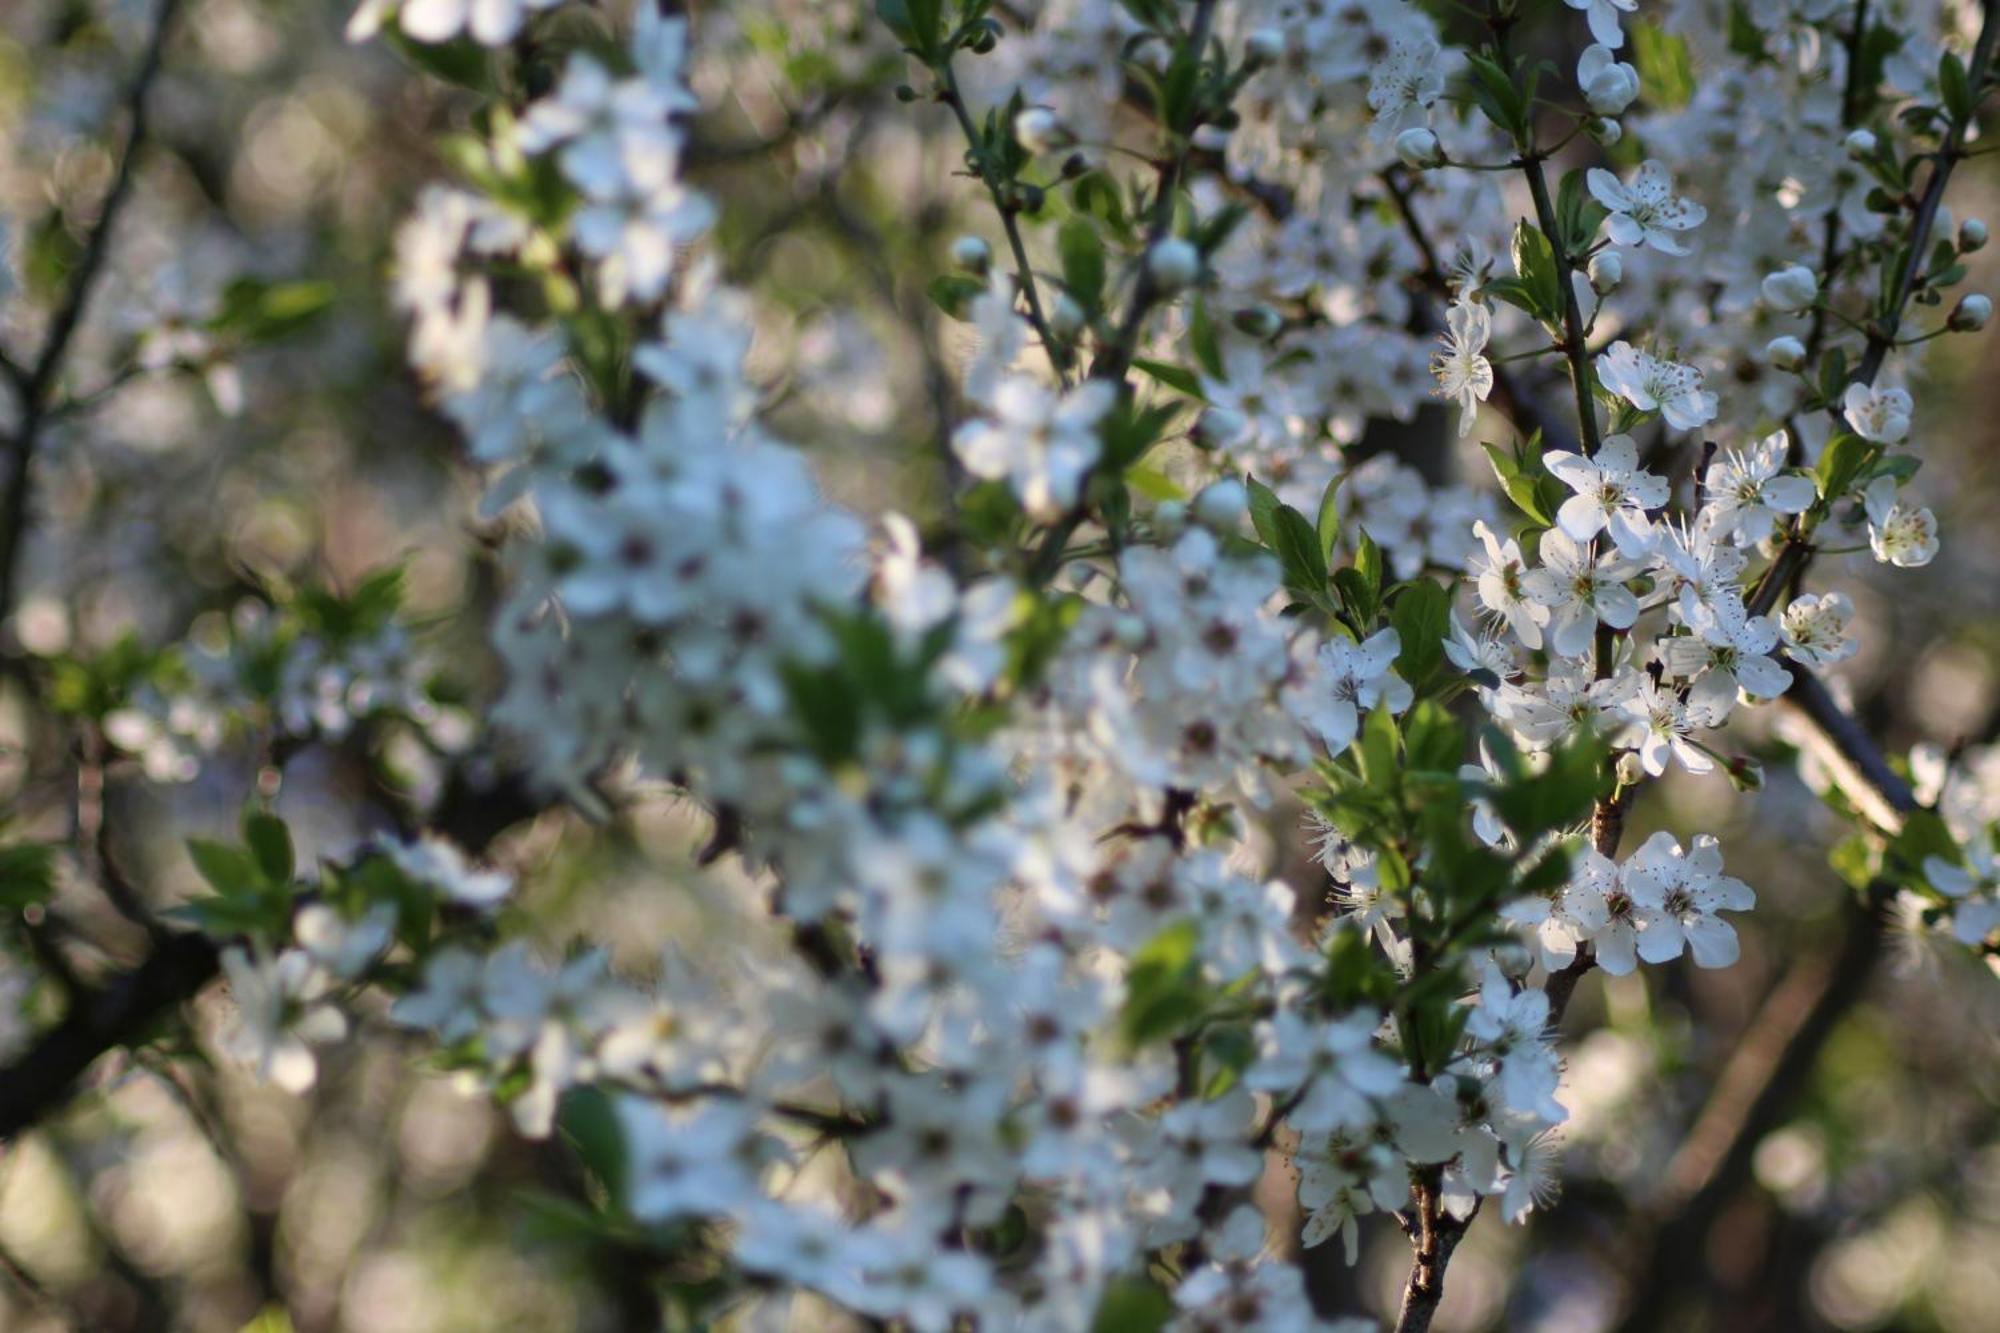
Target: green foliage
(1296,543)
(1844,460)
(1666,71)
(1578,216)
(256,311)
(1082,251)
(1923,835)
(1421,614)
(1132,1305)
(1526,482)
(247,896)
(1164,991)
(1499,97)
(90,686)
(27,874)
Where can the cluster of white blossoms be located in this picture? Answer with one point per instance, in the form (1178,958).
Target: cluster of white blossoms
(312,667)
(1019,953)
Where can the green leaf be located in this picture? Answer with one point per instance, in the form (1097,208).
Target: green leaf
(27,875)
(587,1119)
(1841,464)
(1298,550)
(1173,376)
(1521,485)
(270,844)
(1264,507)
(1368,564)
(1132,1305)
(1854,859)
(1433,740)
(1924,835)
(1422,617)
(1953,87)
(1377,750)
(228,870)
(954,293)
(1163,991)
(255,311)
(1535,265)
(1327,525)
(462,61)
(1082,253)
(1666,71)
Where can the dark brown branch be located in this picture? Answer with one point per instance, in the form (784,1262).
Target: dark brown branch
(126,1008)
(1755,1091)
(38,388)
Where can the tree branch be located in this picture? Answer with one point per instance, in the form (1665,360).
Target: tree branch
(39,385)
(124,1009)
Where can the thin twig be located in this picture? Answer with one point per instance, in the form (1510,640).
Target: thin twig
(39,386)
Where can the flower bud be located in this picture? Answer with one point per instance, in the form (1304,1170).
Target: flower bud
(1066,316)
(1173,264)
(1606,271)
(1210,138)
(1630,770)
(1221,504)
(1264,46)
(984,38)
(1786,353)
(972,254)
(1794,287)
(1259,321)
(1971,235)
(1419,148)
(1219,426)
(1040,130)
(1609,84)
(1169,517)
(1860,144)
(1606,132)
(1970,314)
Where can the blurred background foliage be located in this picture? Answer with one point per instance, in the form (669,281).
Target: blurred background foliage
(242,431)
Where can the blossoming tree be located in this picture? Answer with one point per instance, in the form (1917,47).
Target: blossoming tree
(1177,840)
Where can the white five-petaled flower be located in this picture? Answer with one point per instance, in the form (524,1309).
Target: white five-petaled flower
(1612,495)
(1748,488)
(283,1008)
(1581,588)
(1653,384)
(1358,678)
(1462,370)
(1729,649)
(1681,893)
(1645,210)
(1698,566)
(1974,889)
(1603,18)
(1500,576)
(1882,415)
(1901,535)
(1040,441)
(1666,727)
(1403,86)
(1570,914)
(1815,629)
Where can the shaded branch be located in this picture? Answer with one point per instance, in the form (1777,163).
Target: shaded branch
(38,386)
